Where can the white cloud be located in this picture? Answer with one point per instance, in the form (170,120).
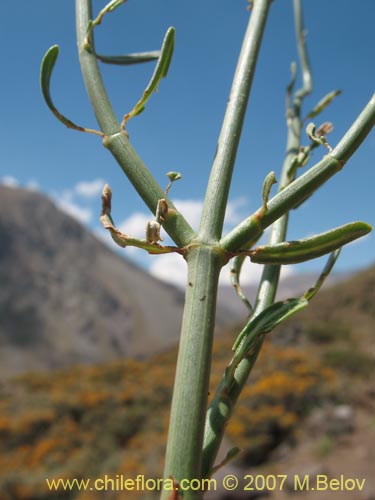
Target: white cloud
(83,215)
(66,200)
(104,236)
(9,181)
(33,186)
(192,211)
(250,273)
(135,225)
(171,268)
(89,189)
(234,213)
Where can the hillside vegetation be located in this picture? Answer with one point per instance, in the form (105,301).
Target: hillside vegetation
(112,419)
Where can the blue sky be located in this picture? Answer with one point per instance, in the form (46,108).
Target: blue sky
(179,128)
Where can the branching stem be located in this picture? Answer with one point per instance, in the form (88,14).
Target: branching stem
(117,141)
(222,168)
(189,403)
(191,448)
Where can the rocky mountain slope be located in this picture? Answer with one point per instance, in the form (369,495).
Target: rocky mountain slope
(65,298)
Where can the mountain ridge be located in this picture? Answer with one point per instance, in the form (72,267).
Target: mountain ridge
(67,298)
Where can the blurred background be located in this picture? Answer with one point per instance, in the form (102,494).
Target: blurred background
(88,334)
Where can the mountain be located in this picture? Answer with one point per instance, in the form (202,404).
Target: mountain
(66,298)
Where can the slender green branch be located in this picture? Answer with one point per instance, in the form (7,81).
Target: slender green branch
(222,404)
(116,140)
(307,86)
(305,185)
(356,134)
(222,168)
(324,274)
(322,104)
(91,74)
(110,7)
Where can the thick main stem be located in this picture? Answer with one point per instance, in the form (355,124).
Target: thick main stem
(222,168)
(185,438)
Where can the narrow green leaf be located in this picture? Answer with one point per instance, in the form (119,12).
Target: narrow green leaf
(268,182)
(263,323)
(48,63)
(235,270)
(267,320)
(323,103)
(292,252)
(114,4)
(231,455)
(160,72)
(46,69)
(272,316)
(324,274)
(128,59)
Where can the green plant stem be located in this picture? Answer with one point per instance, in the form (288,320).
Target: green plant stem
(307,85)
(221,407)
(222,168)
(117,141)
(189,403)
(271,273)
(185,438)
(306,184)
